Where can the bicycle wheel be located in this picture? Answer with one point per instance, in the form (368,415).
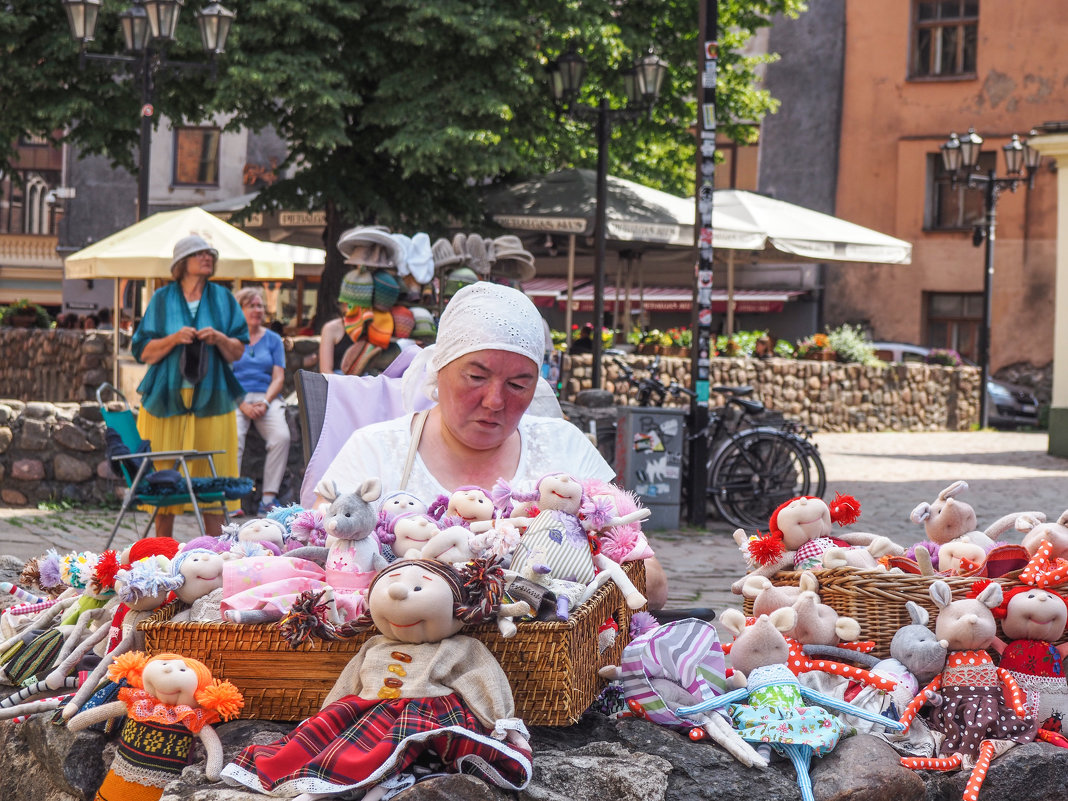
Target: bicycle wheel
(753,473)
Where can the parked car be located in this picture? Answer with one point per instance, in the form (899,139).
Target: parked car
(1008,405)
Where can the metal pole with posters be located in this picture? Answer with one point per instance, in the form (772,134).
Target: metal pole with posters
(701,323)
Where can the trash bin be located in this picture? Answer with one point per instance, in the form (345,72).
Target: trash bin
(649,447)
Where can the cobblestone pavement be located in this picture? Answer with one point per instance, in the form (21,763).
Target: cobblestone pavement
(889,473)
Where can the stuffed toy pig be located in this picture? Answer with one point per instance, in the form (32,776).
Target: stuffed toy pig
(417,686)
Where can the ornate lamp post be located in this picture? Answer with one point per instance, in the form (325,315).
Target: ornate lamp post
(642,84)
(960,157)
(148,27)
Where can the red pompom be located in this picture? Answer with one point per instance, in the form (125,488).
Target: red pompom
(106,568)
(767,549)
(845,509)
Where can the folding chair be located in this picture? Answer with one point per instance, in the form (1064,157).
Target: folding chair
(138,464)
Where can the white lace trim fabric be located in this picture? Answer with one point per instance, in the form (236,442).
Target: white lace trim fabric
(481,316)
(1044,693)
(984,675)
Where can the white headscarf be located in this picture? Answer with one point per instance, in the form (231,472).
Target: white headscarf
(481,316)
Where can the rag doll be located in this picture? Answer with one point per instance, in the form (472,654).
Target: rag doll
(418,685)
(392,506)
(770,707)
(616,521)
(169,700)
(982,711)
(680,664)
(1036,531)
(1032,620)
(563,542)
(199,579)
(800,538)
(262,590)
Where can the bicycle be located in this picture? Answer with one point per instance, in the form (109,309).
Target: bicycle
(752,468)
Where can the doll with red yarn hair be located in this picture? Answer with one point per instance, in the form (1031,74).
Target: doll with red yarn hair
(800,538)
(170,698)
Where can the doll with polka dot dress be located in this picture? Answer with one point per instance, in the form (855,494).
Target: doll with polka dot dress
(980,710)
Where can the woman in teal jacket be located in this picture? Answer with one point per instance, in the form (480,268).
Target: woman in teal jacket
(191,332)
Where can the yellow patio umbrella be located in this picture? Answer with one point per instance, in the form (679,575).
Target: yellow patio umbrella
(145,250)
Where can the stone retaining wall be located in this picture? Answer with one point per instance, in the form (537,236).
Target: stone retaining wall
(55,365)
(57,452)
(826,395)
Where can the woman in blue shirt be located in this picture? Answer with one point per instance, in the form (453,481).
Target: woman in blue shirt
(191,332)
(261,371)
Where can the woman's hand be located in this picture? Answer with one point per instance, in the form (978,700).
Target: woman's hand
(253,410)
(230,348)
(157,349)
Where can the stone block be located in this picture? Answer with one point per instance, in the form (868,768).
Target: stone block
(90,410)
(34,435)
(5,438)
(72,438)
(7,414)
(38,411)
(12,497)
(103,469)
(70,469)
(28,470)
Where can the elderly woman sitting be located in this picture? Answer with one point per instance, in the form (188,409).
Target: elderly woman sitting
(483,372)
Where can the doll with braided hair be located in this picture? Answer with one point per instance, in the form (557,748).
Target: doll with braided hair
(417,686)
(169,700)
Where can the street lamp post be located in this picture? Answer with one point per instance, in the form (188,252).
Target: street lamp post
(960,157)
(642,83)
(148,27)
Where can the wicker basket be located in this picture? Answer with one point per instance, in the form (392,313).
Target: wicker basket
(876,599)
(552,667)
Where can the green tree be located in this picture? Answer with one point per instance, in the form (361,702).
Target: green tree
(395,112)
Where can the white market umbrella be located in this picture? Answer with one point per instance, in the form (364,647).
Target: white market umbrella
(145,250)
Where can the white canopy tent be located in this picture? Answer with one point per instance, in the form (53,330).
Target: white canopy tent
(641,217)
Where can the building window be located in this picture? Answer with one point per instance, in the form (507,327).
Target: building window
(945,35)
(953,321)
(954,207)
(196,156)
(25,203)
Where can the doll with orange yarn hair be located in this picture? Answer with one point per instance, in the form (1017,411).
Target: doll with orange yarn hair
(170,698)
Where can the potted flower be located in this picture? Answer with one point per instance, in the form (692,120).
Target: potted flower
(24,314)
(947,357)
(816,348)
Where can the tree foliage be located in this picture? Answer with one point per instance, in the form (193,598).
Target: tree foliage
(394,111)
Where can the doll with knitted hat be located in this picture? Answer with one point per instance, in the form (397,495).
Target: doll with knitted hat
(170,700)
(417,686)
(800,537)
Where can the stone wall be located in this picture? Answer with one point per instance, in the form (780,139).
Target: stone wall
(826,395)
(55,365)
(57,452)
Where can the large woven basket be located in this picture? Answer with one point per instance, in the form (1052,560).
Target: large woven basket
(877,599)
(552,667)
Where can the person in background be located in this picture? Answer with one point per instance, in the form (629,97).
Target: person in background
(584,343)
(104,320)
(89,322)
(333,342)
(261,371)
(191,332)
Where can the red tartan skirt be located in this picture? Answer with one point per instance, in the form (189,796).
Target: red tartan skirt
(356,742)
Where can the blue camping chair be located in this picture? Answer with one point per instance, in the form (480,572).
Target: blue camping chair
(131,456)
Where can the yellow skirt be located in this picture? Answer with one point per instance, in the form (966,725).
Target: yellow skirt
(191,433)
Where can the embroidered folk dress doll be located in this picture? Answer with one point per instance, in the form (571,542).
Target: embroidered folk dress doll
(417,686)
(170,700)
